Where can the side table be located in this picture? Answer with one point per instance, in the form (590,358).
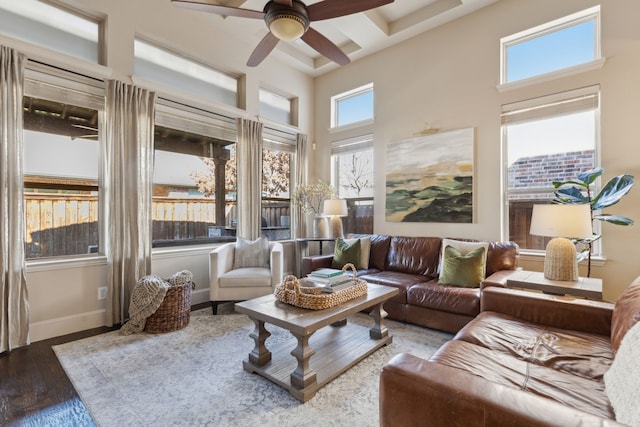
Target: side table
(586,287)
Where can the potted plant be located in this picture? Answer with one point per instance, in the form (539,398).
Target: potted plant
(310,199)
(578,191)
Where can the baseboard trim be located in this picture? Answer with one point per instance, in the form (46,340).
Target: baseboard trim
(56,327)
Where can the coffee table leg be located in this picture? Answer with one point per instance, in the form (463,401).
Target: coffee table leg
(260,355)
(303,376)
(378,331)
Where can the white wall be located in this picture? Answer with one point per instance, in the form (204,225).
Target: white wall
(63,295)
(448,77)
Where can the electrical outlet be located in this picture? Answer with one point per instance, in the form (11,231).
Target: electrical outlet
(102,293)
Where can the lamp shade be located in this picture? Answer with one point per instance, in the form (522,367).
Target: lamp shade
(335,207)
(287,27)
(571,221)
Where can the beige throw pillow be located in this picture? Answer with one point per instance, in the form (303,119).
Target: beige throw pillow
(250,253)
(365,249)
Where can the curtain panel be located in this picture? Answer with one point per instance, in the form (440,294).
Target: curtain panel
(249,158)
(14,301)
(299,219)
(128,178)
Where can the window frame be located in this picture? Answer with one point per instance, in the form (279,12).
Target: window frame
(534,109)
(53,84)
(542,30)
(264,106)
(335,103)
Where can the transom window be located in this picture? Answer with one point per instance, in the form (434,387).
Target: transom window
(276,107)
(557,45)
(170,69)
(52,27)
(352,107)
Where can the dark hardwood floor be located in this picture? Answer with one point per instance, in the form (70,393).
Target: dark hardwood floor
(34,389)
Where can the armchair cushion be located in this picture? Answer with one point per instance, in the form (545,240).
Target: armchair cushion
(246,277)
(250,253)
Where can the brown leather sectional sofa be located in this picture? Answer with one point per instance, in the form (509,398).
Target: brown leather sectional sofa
(527,359)
(411,265)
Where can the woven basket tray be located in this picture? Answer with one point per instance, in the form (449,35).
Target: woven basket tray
(290,292)
(174,312)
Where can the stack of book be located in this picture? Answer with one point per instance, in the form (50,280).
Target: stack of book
(330,279)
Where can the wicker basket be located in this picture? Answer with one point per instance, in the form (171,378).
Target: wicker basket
(290,292)
(174,312)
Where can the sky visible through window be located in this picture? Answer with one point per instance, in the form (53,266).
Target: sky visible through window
(551,52)
(355,108)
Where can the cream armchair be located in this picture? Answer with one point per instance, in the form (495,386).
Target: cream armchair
(227,284)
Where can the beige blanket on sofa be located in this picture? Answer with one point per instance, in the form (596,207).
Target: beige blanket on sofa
(622,380)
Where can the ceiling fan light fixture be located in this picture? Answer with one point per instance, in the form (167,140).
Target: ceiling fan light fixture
(287,27)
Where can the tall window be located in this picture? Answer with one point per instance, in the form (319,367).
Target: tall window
(557,45)
(61,163)
(52,27)
(352,176)
(194,176)
(175,71)
(354,106)
(546,139)
(276,184)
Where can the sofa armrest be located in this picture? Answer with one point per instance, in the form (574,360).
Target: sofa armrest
(551,310)
(310,263)
(499,278)
(417,392)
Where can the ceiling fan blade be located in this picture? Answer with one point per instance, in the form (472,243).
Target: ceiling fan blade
(334,8)
(325,46)
(284,2)
(204,6)
(263,49)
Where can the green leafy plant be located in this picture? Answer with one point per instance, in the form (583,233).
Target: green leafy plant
(578,191)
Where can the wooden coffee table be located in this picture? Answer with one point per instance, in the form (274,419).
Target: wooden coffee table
(325,344)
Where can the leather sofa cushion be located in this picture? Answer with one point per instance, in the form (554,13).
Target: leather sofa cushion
(578,353)
(502,256)
(379,248)
(626,313)
(574,391)
(450,299)
(402,281)
(414,255)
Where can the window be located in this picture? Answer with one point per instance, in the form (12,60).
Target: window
(61,163)
(276,107)
(52,27)
(557,45)
(352,107)
(173,70)
(352,177)
(546,139)
(194,176)
(277,156)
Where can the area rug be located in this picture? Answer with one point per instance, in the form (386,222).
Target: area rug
(194,377)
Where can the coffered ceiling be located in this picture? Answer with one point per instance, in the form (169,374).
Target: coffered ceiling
(358,35)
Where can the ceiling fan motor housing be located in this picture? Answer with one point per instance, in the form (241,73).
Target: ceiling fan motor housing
(286,23)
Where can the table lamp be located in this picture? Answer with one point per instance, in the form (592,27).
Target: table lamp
(335,208)
(561,222)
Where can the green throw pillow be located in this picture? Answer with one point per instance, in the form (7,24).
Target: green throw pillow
(345,253)
(462,270)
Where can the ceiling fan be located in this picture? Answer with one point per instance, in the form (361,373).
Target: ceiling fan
(289,20)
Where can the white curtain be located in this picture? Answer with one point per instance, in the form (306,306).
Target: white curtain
(128,178)
(300,178)
(249,159)
(14,302)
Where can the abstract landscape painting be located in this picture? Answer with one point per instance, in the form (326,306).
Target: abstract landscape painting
(430,178)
